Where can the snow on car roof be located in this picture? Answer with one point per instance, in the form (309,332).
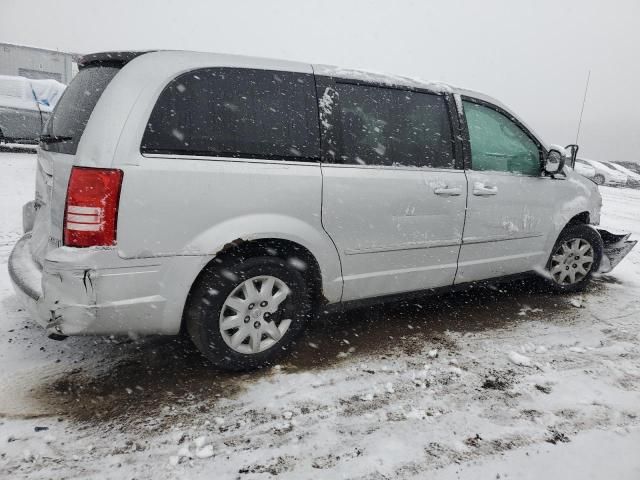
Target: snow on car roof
(401,81)
(598,164)
(381,78)
(588,160)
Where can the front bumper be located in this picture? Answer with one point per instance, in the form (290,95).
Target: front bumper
(616,247)
(71,295)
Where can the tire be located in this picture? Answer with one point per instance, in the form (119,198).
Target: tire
(567,254)
(599,179)
(230,283)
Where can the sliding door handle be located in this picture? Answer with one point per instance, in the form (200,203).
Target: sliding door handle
(448,192)
(482,190)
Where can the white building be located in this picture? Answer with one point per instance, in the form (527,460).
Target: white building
(37,63)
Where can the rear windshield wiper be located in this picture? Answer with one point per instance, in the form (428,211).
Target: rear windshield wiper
(53,138)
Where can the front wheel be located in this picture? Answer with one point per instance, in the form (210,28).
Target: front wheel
(575,257)
(245,313)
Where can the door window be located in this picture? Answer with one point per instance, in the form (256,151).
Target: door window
(498,144)
(236,112)
(383,126)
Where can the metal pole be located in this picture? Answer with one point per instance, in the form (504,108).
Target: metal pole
(584,100)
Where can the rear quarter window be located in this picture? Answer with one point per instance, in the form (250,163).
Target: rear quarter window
(236,113)
(71,115)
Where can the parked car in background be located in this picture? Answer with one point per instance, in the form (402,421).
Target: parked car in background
(236,198)
(604,175)
(633,178)
(25,106)
(584,169)
(633,166)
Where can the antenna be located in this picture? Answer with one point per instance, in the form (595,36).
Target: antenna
(584,100)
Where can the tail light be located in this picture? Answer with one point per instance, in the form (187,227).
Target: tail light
(91,209)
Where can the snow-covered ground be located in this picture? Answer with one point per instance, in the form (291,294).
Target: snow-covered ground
(504,382)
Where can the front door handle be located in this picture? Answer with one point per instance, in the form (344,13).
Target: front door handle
(448,192)
(482,190)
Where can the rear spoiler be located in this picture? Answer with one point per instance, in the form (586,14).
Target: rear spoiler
(109,59)
(616,247)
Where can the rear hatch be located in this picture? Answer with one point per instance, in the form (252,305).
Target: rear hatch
(58,147)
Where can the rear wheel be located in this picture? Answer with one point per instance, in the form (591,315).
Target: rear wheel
(575,257)
(599,179)
(246,313)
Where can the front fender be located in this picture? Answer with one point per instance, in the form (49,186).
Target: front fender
(565,212)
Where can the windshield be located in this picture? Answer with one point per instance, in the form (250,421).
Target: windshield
(69,119)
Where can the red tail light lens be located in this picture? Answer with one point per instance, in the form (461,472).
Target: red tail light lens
(91,209)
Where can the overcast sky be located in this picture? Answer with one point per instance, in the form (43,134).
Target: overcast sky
(532,55)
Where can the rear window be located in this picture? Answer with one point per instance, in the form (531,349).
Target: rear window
(70,117)
(233,112)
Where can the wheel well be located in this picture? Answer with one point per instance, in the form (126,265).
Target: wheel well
(581,218)
(295,254)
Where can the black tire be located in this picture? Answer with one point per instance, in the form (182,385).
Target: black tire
(217,282)
(570,233)
(599,179)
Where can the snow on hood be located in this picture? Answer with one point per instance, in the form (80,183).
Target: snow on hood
(29,94)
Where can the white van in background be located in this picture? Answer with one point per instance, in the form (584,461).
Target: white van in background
(633,178)
(25,106)
(604,175)
(584,169)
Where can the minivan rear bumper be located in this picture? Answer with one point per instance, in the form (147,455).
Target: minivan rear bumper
(26,278)
(71,295)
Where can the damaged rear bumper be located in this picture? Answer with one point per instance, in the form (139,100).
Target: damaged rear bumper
(26,278)
(616,247)
(71,295)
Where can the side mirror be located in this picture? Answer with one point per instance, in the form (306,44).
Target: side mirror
(573,150)
(554,163)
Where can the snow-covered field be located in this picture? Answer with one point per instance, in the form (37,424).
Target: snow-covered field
(504,382)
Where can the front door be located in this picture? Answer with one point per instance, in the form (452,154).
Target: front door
(393,200)
(510,203)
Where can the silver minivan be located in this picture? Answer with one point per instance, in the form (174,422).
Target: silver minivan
(236,198)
